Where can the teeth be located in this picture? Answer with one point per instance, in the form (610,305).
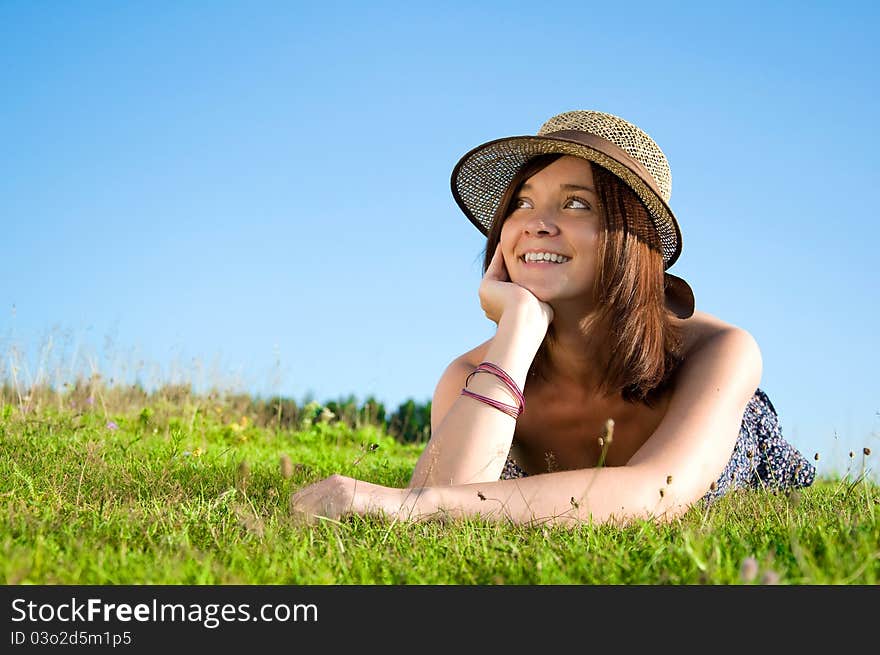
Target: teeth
(545,257)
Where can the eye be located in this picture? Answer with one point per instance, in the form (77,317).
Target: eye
(521,203)
(577,203)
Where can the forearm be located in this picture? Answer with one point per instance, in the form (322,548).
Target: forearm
(472,441)
(598,495)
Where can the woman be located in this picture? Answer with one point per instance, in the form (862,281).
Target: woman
(603,396)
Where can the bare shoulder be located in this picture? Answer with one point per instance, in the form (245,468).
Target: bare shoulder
(472,358)
(701,329)
(453,380)
(467,361)
(696,331)
(717,355)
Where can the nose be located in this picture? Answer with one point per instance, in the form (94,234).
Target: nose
(541,224)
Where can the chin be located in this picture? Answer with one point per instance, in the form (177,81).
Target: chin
(541,294)
(543,297)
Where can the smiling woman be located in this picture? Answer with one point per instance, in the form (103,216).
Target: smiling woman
(627,402)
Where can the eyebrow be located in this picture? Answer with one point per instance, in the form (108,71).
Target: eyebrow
(565,187)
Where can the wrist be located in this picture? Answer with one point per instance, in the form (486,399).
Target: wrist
(527,319)
(404,504)
(516,342)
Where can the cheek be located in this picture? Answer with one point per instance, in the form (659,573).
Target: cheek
(506,229)
(506,238)
(590,239)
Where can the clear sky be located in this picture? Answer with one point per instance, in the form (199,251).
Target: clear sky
(256,194)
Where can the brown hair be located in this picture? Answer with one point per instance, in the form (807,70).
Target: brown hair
(629,288)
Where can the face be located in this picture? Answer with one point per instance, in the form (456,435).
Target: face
(555,212)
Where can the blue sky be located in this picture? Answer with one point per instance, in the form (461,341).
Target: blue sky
(256,195)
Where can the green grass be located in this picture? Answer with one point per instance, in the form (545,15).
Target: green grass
(186,492)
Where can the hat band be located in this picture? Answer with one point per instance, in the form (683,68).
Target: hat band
(609,149)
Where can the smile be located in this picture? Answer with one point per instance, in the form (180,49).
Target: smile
(542,258)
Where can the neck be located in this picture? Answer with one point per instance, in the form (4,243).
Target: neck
(576,354)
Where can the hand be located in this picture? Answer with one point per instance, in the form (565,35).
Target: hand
(498,294)
(339,496)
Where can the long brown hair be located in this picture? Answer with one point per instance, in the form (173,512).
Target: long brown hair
(629,288)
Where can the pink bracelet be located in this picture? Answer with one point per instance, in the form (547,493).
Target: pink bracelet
(501,374)
(507,409)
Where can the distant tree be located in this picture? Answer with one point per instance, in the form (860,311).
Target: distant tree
(411,422)
(345,410)
(279,411)
(373,413)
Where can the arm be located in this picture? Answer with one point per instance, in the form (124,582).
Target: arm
(692,445)
(469,439)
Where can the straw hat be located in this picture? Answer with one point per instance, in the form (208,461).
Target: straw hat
(480,178)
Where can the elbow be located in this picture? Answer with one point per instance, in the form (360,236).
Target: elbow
(431,471)
(418,481)
(421,477)
(746,351)
(754,362)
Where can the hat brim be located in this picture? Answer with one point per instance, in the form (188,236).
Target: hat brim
(481,176)
(679,296)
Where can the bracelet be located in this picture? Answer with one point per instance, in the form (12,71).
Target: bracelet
(501,374)
(510,410)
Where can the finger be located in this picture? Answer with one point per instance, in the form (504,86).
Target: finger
(505,276)
(497,269)
(303,518)
(493,263)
